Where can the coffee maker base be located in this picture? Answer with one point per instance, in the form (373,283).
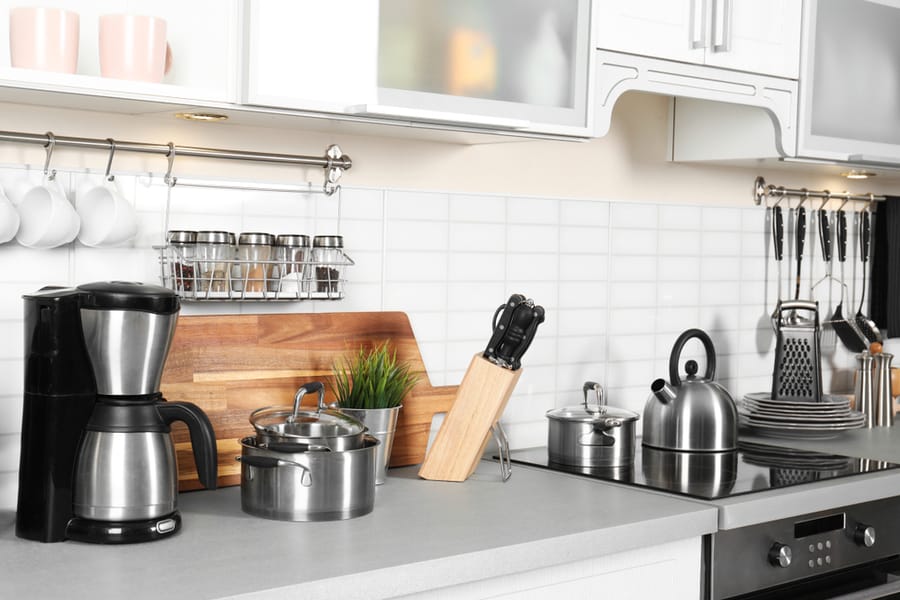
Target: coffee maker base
(123,532)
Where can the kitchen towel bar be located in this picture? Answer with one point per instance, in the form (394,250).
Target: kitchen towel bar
(335,162)
(761,191)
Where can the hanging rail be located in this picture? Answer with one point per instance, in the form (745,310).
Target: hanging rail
(761,191)
(334,161)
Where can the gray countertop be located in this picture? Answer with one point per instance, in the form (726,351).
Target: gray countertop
(420,536)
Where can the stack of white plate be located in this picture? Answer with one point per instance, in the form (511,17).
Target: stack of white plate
(762,415)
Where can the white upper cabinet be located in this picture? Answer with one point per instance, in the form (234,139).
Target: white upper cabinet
(203,38)
(756,36)
(504,65)
(851,82)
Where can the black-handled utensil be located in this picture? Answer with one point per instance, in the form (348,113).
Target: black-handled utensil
(800,240)
(825,238)
(846,329)
(515,324)
(866,325)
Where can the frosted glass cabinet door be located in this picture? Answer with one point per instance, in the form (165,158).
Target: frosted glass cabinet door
(508,63)
(849,105)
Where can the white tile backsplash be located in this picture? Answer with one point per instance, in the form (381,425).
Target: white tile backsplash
(619,283)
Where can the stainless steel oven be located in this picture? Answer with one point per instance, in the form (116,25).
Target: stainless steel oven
(844,544)
(827,554)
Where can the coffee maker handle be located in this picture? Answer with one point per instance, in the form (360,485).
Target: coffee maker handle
(203,438)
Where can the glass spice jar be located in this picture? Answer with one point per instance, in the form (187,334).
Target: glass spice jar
(214,253)
(182,251)
(328,258)
(254,253)
(290,275)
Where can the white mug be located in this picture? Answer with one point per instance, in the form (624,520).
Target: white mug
(48,219)
(107,217)
(9,219)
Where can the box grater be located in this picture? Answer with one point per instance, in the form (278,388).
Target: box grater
(798,363)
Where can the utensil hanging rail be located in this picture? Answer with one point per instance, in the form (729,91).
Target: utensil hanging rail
(335,162)
(761,191)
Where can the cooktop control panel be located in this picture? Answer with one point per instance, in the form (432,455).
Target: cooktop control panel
(771,554)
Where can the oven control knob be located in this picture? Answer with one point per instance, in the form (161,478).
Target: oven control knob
(864,535)
(780,555)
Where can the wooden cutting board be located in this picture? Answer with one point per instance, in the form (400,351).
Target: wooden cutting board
(230,365)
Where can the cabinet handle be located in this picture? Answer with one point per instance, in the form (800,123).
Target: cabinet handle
(698,25)
(721,19)
(380,110)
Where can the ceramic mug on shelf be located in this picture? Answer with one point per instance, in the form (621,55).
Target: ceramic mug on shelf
(107,217)
(134,47)
(9,219)
(45,39)
(48,219)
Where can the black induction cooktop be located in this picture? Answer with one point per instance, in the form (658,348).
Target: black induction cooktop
(709,475)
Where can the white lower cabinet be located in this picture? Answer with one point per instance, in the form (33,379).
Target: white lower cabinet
(671,570)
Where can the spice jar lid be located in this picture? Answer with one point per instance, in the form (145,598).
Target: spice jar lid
(181,236)
(328,241)
(252,238)
(231,239)
(293,240)
(213,237)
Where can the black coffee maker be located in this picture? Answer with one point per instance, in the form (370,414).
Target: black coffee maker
(97,463)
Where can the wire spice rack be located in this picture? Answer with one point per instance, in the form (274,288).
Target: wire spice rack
(241,280)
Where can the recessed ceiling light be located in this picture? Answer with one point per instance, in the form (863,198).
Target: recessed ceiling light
(857,174)
(205,117)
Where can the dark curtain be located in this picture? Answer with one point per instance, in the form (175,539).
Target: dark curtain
(885,309)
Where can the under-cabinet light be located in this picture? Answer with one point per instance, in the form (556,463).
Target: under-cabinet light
(205,117)
(857,174)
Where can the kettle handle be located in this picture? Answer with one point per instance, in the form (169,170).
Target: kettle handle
(676,354)
(203,438)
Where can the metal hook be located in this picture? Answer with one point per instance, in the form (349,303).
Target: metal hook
(805,197)
(846,200)
(871,202)
(48,147)
(170,157)
(332,173)
(112,151)
(825,200)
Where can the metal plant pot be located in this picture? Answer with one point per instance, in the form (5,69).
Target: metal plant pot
(382,424)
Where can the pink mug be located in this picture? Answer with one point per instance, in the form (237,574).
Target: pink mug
(43,38)
(134,47)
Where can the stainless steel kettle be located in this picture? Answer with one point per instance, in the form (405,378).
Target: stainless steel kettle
(694,414)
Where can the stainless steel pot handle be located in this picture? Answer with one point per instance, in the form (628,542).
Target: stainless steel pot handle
(270,462)
(601,397)
(313,386)
(599,438)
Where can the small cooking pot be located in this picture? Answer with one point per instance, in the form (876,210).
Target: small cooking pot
(311,483)
(322,427)
(591,436)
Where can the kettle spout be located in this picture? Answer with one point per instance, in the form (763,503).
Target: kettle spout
(663,391)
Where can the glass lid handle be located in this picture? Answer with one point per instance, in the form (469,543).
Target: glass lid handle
(313,386)
(598,390)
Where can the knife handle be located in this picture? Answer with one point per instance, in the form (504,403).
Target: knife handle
(825,235)
(801,232)
(865,232)
(778,232)
(841,218)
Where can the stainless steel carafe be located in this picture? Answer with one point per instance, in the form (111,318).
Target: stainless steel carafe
(126,476)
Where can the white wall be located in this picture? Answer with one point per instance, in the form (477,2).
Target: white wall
(623,249)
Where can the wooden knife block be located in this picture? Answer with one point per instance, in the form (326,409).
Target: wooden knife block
(462,437)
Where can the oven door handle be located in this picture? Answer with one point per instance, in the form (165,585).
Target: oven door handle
(878,591)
